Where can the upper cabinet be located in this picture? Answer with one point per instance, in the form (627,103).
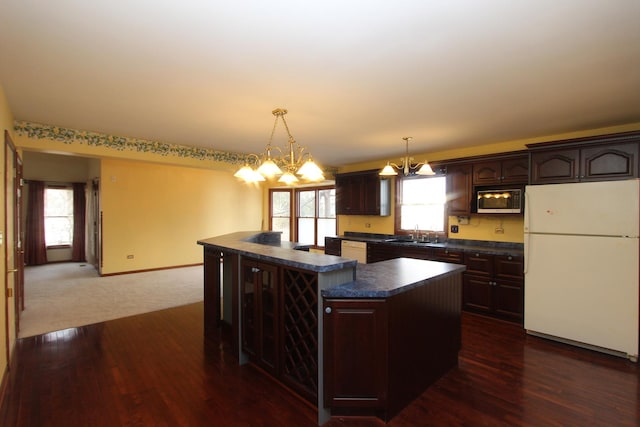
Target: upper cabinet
(513,170)
(605,158)
(362,193)
(459,188)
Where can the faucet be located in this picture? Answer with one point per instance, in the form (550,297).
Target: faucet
(417,234)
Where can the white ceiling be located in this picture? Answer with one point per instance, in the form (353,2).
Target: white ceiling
(356,76)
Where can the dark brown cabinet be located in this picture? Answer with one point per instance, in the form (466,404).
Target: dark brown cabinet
(380,354)
(356,342)
(332,246)
(494,285)
(377,252)
(447,255)
(363,193)
(459,189)
(260,298)
(279,323)
(513,170)
(589,159)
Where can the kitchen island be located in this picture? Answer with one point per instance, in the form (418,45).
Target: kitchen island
(278,321)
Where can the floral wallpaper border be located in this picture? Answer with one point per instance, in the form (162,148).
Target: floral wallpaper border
(120,143)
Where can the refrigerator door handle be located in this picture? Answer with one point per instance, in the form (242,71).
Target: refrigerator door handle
(526,256)
(526,230)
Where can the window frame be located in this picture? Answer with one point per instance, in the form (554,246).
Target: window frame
(59,187)
(291,207)
(316,217)
(295,211)
(398,205)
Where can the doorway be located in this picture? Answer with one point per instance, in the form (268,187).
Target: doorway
(14,251)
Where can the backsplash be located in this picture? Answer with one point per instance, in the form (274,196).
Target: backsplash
(496,228)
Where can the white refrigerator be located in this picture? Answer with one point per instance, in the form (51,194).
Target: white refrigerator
(581,264)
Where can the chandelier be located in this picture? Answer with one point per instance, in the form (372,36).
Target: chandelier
(287,164)
(407,167)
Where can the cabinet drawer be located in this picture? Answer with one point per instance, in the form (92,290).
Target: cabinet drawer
(446,255)
(479,263)
(509,266)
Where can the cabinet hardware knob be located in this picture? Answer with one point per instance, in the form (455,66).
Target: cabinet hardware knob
(327,310)
(509,258)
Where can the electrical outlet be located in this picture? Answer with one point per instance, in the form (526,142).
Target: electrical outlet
(454,228)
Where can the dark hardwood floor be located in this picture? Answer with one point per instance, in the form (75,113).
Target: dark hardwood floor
(157,369)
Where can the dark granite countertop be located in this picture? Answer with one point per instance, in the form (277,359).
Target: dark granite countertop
(267,246)
(479,246)
(387,278)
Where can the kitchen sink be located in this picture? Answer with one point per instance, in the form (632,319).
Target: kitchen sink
(414,242)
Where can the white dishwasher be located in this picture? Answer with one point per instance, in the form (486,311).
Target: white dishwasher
(354,250)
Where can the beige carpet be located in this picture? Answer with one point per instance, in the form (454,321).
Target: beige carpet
(65,295)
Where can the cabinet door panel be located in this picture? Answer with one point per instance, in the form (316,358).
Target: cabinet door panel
(447,255)
(268,279)
(459,180)
(355,353)
(476,291)
(555,166)
(508,299)
(515,171)
(485,173)
(509,266)
(479,263)
(250,325)
(332,246)
(610,162)
(381,252)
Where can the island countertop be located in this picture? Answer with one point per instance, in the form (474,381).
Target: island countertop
(387,278)
(267,246)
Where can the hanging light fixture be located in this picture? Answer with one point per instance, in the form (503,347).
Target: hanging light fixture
(407,168)
(290,162)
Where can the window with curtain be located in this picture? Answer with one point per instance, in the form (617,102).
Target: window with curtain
(58,216)
(55,218)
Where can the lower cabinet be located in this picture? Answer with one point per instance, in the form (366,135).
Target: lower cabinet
(356,344)
(332,246)
(259,307)
(280,323)
(494,285)
(380,354)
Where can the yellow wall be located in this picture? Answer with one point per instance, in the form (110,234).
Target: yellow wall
(480,227)
(157,213)
(6,123)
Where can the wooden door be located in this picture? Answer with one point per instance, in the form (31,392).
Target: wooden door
(14,255)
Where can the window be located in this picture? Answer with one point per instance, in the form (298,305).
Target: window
(58,216)
(281,212)
(315,214)
(422,203)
